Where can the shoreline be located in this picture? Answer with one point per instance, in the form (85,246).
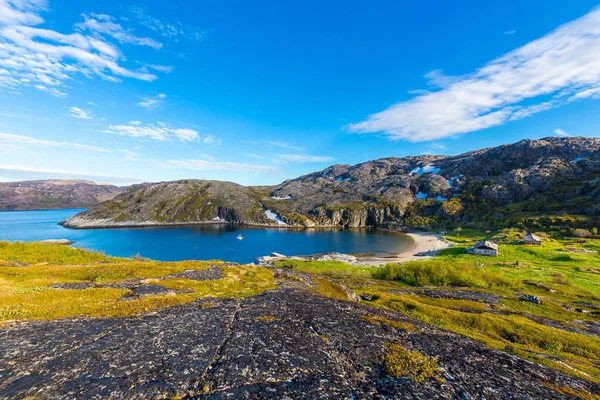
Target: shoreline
(426,245)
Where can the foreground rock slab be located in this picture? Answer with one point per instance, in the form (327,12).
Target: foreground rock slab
(286,343)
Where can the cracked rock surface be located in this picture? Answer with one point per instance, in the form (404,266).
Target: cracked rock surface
(285,343)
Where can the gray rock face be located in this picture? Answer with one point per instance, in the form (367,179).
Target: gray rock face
(308,347)
(380,193)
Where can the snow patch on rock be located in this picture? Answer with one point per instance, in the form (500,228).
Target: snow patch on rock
(426,169)
(274,217)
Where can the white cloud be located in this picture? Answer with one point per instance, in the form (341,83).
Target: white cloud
(208,165)
(303,158)
(106,25)
(45,59)
(511,32)
(560,67)
(560,132)
(19,172)
(151,103)
(14,12)
(159,131)
(91,103)
(79,113)
(8,138)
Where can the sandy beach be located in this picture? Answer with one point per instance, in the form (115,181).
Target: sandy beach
(426,244)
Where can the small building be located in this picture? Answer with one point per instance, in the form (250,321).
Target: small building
(484,248)
(530,238)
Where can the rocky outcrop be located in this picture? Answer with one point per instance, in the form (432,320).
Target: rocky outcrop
(288,343)
(390,192)
(54,194)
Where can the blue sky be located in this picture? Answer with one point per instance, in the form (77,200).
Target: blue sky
(259,92)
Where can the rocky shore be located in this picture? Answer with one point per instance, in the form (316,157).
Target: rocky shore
(425,245)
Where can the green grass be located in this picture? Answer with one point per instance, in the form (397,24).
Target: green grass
(48,253)
(332,269)
(25,292)
(441,273)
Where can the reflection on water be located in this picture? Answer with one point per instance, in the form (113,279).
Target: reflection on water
(201,242)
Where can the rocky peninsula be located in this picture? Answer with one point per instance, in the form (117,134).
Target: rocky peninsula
(430,192)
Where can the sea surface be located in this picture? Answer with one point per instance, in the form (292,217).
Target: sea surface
(198,242)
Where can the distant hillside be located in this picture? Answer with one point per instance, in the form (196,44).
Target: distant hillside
(54,194)
(546,177)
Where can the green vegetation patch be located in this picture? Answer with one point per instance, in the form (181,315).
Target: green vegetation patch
(399,361)
(48,253)
(331,289)
(441,273)
(332,269)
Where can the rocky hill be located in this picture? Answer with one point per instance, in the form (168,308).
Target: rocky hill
(549,176)
(54,194)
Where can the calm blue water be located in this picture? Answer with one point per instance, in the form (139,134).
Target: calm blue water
(197,242)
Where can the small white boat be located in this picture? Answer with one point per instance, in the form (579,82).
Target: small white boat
(240,237)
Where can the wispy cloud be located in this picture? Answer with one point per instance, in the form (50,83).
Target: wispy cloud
(167,69)
(210,165)
(8,138)
(158,132)
(44,58)
(52,91)
(560,132)
(436,146)
(302,158)
(210,139)
(171,30)
(151,103)
(511,32)
(79,113)
(283,145)
(561,67)
(254,155)
(19,172)
(106,25)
